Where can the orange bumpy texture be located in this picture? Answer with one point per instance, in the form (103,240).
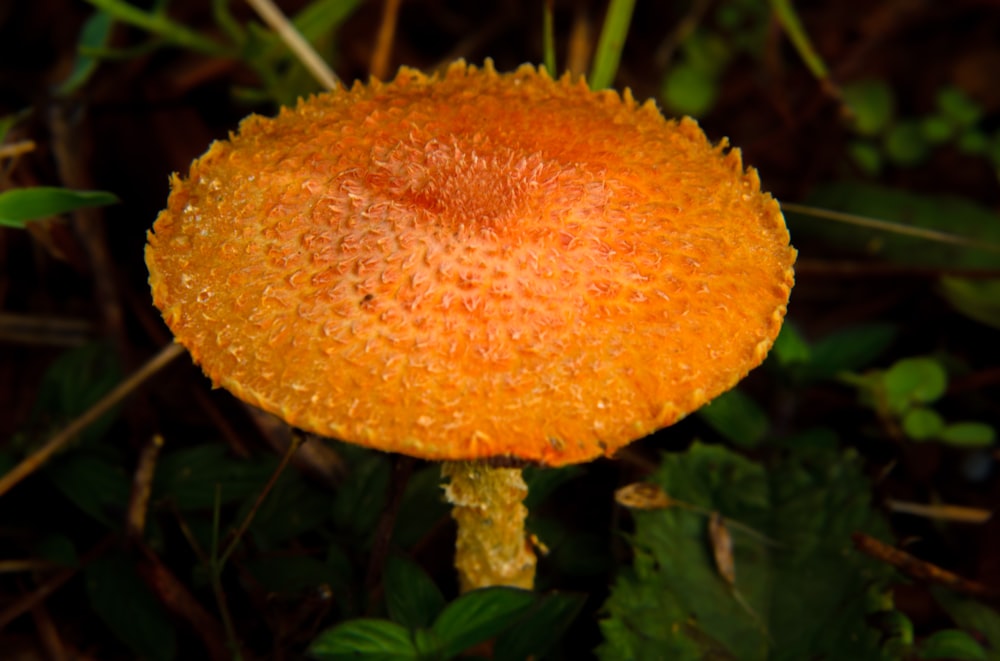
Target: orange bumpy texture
(473,265)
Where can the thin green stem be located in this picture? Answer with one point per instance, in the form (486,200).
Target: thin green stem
(215,574)
(294,445)
(224,19)
(789,19)
(161,25)
(549,38)
(611,43)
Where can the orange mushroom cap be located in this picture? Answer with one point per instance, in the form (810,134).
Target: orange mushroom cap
(473,265)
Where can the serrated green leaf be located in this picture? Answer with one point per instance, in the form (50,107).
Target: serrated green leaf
(73,383)
(98,487)
(953,644)
(367,639)
(912,380)
(737,417)
(293,507)
(293,574)
(478,616)
(422,507)
(22,205)
(802,596)
(969,434)
(540,629)
(120,598)
(359,501)
(571,552)
(411,597)
(543,481)
(188,477)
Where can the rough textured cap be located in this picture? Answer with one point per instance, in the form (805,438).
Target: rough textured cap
(473,265)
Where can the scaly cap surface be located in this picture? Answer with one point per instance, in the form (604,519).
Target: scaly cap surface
(473,265)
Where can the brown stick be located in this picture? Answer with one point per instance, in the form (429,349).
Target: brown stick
(29,601)
(142,487)
(917,568)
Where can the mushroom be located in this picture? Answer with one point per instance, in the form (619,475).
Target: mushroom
(484,269)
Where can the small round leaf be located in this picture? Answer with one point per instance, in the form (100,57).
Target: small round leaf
(969,434)
(922,424)
(916,379)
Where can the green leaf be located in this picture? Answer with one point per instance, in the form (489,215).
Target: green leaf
(972,616)
(934,213)
(98,487)
(904,143)
(358,502)
(323,17)
(73,383)
(952,644)
(610,44)
(800,596)
(411,597)
(293,574)
(866,156)
(120,598)
(571,552)
(737,417)
(969,434)
(688,90)
(293,507)
(790,347)
(973,143)
(872,104)
(188,477)
(478,616)
(21,205)
(913,380)
(94,35)
(937,130)
(58,549)
(422,507)
(956,105)
(543,481)
(922,424)
(368,639)
(848,350)
(540,629)
(976,299)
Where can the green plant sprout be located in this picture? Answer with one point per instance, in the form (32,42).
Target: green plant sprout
(902,394)
(885,136)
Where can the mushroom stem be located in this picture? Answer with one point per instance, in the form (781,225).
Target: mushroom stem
(492,547)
